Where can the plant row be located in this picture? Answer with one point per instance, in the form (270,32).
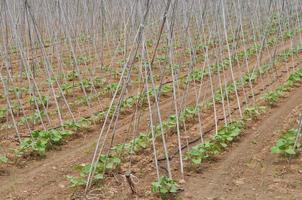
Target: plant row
(143,140)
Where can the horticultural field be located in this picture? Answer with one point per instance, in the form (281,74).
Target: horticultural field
(150,99)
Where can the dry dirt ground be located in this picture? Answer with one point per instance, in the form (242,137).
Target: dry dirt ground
(249,170)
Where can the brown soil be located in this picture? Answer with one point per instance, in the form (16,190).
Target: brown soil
(78,109)
(44,179)
(144,167)
(249,170)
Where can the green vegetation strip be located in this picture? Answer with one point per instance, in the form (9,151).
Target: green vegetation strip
(286,145)
(196,75)
(44,140)
(114,158)
(231,131)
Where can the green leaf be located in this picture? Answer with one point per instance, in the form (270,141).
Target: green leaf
(196,161)
(74,181)
(55,137)
(173,189)
(116,160)
(290,151)
(163,190)
(109,165)
(3,159)
(275,149)
(155,187)
(224,145)
(281,142)
(99,177)
(164,186)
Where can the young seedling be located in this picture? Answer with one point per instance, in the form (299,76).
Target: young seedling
(252,113)
(3,113)
(165,187)
(41,101)
(3,159)
(286,144)
(201,152)
(41,141)
(106,164)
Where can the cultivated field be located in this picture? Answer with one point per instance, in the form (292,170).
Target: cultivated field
(150,99)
